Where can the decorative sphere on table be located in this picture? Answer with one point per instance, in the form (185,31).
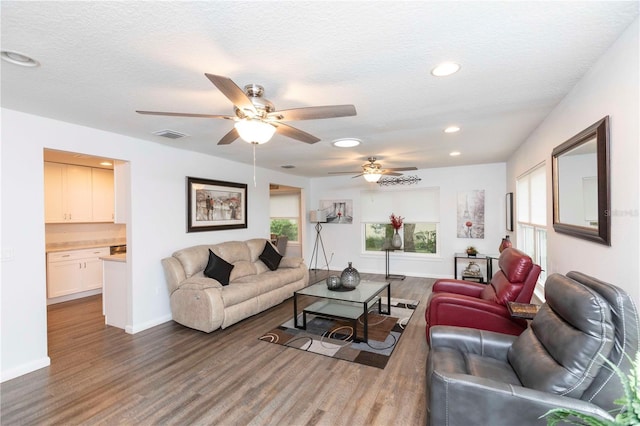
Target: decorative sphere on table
(333,282)
(350,277)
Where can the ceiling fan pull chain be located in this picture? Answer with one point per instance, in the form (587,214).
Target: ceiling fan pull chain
(254,164)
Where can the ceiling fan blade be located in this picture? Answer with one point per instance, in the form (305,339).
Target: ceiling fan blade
(294,133)
(232,92)
(185,114)
(229,137)
(388,173)
(402,169)
(314,113)
(361,174)
(343,173)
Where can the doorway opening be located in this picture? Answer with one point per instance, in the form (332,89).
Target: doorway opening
(86,210)
(286,218)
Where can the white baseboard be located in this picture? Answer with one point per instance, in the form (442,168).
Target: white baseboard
(133,329)
(73,296)
(25,368)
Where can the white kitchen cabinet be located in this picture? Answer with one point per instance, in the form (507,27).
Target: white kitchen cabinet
(102,195)
(74,271)
(77,194)
(67,190)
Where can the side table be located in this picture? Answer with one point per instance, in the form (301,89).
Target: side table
(486,258)
(522,310)
(387,275)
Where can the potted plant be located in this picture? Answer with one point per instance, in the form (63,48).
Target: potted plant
(396,223)
(630,401)
(471,251)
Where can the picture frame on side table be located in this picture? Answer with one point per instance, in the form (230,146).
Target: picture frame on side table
(214,205)
(509,211)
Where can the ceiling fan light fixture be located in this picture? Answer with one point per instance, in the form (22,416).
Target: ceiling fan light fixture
(446,68)
(255,131)
(346,142)
(372,177)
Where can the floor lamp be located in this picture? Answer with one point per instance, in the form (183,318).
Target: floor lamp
(318,217)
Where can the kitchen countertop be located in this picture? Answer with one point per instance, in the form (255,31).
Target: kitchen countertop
(115,258)
(79,245)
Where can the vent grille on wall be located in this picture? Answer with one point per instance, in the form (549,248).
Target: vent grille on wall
(170,134)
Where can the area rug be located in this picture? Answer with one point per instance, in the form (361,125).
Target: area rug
(334,338)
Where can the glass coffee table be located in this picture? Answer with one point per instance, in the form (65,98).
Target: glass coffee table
(345,305)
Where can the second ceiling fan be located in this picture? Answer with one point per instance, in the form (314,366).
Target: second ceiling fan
(256,119)
(373,171)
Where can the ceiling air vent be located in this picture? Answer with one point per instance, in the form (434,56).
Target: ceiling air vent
(171,134)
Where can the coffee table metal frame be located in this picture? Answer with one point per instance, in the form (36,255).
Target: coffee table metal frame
(344,305)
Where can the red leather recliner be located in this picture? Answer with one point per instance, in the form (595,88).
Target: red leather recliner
(480,306)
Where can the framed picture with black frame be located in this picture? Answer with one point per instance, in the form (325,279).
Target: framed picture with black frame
(214,205)
(509,211)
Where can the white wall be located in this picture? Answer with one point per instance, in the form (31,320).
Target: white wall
(156,228)
(609,88)
(346,241)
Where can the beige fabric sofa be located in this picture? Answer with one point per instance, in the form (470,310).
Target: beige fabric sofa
(204,304)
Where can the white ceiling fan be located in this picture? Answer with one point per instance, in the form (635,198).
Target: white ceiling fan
(256,119)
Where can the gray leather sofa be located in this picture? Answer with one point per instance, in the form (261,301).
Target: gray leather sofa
(205,304)
(477,377)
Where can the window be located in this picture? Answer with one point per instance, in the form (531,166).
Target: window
(531,194)
(417,237)
(285,215)
(419,207)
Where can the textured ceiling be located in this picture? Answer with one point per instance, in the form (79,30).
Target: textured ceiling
(101,61)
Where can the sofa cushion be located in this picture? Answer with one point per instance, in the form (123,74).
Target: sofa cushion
(515,265)
(567,342)
(270,256)
(242,268)
(290,262)
(218,268)
(256,246)
(193,259)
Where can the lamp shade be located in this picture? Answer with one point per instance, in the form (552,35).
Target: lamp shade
(372,177)
(255,131)
(316,216)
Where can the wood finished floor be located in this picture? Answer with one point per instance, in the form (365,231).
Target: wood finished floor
(173,375)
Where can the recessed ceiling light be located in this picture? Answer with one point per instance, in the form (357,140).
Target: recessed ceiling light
(288,166)
(18,58)
(346,142)
(445,69)
(452,129)
(454,153)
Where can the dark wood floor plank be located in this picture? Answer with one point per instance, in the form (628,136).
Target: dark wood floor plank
(173,375)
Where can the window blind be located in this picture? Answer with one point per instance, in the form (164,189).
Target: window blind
(284,205)
(415,205)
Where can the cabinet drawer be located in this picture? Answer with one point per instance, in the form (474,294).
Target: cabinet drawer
(62,256)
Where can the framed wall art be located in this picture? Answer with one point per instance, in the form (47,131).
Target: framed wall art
(470,215)
(338,211)
(214,205)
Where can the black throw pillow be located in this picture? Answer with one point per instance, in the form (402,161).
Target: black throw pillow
(270,256)
(218,268)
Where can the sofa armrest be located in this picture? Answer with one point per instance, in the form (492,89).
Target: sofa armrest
(173,273)
(471,340)
(459,287)
(291,262)
(459,399)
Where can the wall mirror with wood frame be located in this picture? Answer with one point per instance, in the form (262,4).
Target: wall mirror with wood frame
(581,187)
